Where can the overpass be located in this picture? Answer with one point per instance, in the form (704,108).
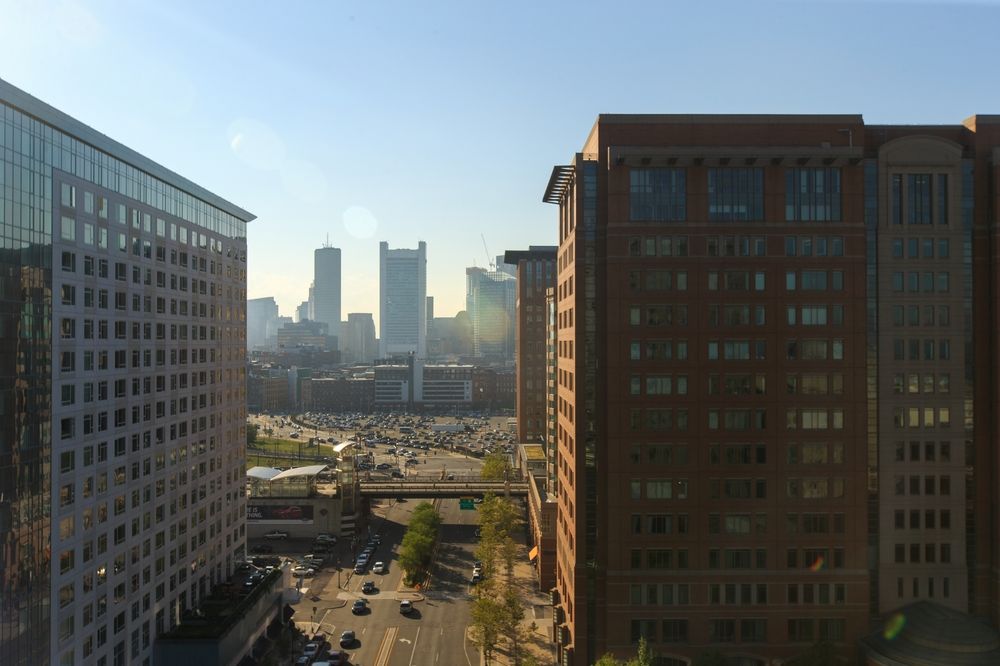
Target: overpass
(431,487)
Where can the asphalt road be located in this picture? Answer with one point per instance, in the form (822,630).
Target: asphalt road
(435,632)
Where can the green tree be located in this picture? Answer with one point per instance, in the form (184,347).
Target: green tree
(417,546)
(496,466)
(251,433)
(607,659)
(487,623)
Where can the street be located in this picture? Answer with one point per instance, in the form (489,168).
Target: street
(434,632)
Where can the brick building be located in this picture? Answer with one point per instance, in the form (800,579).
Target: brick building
(774,337)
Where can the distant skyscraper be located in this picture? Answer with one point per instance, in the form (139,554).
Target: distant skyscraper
(326,287)
(262,315)
(358,344)
(90,509)
(402,300)
(490,300)
(302,311)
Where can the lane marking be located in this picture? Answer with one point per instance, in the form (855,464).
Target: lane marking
(413,653)
(385,647)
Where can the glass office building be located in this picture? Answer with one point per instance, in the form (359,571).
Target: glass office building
(122,391)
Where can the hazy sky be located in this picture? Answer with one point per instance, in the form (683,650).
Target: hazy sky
(406,121)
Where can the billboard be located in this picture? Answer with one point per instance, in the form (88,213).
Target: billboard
(279,513)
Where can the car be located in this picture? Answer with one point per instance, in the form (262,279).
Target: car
(311,650)
(347,639)
(262,548)
(451,477)
(479,532)
(475,578)
(303,661)
(478,564)
(311,558)
(276,534)
(379,568)
(252,580)
(368,588)
(405,607)
(383,466)
(303,572)
(323,536)
(243,567)
(396,474)
(360,567)
(336,658)
(360,607)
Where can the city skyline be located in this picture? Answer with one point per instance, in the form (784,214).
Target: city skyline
(395,123)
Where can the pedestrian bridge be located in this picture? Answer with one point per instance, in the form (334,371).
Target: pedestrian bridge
(432,487)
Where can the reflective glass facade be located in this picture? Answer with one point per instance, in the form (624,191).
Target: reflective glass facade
(71,201)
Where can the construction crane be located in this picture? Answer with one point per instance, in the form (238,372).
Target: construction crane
(489,260)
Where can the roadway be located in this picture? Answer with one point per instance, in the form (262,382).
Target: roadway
(435,632)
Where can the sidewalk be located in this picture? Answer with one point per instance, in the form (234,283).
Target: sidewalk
(540,644)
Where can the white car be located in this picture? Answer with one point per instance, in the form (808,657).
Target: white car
(276,534)
(303,572)
(379,568)
(311,650)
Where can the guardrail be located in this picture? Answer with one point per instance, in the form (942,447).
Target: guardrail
(438,488)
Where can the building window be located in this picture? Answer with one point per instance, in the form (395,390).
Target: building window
(812,194)
(736,194)
(657,195)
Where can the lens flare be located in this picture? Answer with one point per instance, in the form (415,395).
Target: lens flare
(894,626)
(818,564)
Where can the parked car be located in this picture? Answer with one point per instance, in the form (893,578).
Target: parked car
(276,534)
(367,588)
(379,568)
(303,572)
(311,650)
(396,474)
(476,578)
(347,639)
(336,658)
(361,567)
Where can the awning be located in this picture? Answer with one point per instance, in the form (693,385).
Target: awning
(533,553)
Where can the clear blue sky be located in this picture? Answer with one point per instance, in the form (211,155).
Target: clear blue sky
(406,121)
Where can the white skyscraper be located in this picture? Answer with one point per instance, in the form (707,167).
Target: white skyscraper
(326,287)
(402,301)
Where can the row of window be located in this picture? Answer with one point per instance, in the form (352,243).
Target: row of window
(141,222)
(920,315)
(734,246)
(917,349)
(921,248)
(932,519)
(926,485)
(926,282)
(921,417)
(930,553)
(932,451)
(734,194)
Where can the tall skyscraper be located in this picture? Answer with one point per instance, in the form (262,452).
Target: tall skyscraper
(402,301)
(358,345)
(535,274)
(326,288)
(776,359)
(262,322)
(490,299)
(122,389)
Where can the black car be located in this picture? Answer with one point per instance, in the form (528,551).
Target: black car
(360,607)
(347,639)
(262,548)
(368,587)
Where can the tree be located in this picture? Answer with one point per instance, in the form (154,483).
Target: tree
(607,659)
(496,467)
(251,433)
(417,546)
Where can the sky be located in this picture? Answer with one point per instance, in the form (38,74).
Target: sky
(441,121)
